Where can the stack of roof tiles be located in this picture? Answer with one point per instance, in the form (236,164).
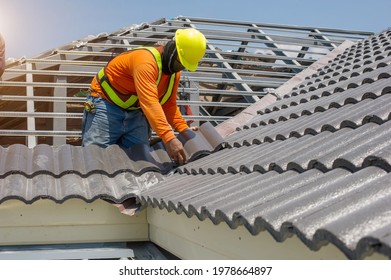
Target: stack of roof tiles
(315,164)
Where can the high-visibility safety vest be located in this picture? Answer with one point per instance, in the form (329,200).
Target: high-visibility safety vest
(128,104)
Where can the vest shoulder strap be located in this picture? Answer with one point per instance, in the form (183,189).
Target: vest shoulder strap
(128,104)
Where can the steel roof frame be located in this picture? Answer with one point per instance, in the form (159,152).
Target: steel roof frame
(243,61)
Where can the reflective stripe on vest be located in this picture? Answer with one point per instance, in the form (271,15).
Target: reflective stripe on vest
(112,93)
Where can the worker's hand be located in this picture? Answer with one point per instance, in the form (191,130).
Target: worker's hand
(194,128)
(176,151)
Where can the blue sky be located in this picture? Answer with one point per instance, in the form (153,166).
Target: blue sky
(31,27)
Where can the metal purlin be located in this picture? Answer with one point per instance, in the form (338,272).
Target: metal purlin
(231,75)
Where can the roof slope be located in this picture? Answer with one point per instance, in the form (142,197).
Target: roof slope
(315,163)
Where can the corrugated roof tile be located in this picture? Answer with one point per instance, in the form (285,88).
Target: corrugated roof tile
(115,188)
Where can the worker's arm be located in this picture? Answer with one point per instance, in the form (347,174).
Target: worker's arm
(176,120)
(171,109)
(145,82)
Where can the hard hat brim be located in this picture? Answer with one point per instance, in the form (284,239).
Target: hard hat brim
(188,66)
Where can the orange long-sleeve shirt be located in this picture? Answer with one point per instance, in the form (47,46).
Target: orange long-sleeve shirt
(136,72)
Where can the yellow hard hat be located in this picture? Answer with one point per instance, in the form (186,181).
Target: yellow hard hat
(191,46)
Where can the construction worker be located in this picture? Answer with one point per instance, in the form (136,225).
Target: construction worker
(137,89)
(2,55)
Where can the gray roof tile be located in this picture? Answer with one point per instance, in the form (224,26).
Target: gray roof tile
(302,106)
(91,172)
(349,115)
(312,204)
(115,188)
(110,161)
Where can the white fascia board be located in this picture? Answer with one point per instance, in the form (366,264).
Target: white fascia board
(73,221)
(191,239)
